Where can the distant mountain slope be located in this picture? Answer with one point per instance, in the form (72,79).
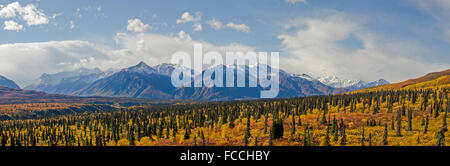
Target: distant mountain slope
(376,83)
(46,110)
(426,78)
(68,82)
(349,84)
(431,80)
(165,69)
(143,81)
(8,83)
(18,96)
(291,85)
(28,104)
(140,81)
(443,81)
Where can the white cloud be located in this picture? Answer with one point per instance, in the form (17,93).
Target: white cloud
(218,25)
(238,27)
(56,15)
(316,48)
(155,48)
(292,2)
(186,17)
(72,25)
(32,15)
(136,25)
(28,13)
(12,26)
(184,36)
(198,27)
(23,62)
(78,13)
(92,11)
(215,24)
(9,11)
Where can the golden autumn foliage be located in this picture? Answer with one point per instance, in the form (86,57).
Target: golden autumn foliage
(434,80)
(338,120)
(38,110)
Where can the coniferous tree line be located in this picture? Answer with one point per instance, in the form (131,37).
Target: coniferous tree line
(307,121)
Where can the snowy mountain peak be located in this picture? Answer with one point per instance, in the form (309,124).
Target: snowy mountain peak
(141,68)
(165,65)
(337,82)
(165,68)
(378,83)
(304,76)
(140,65)
(382,81)
(54,79)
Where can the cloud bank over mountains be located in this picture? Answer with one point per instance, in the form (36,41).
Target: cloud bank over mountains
(25,62)
(315,47)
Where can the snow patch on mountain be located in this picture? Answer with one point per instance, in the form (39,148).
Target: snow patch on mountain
(351,84)
(141,68)
(337,82)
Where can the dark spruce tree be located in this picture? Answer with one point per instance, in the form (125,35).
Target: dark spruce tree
(410,117)
(385,136)
(399,123)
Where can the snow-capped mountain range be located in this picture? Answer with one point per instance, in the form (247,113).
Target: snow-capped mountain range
(67,82)
(337,82)
(143,81)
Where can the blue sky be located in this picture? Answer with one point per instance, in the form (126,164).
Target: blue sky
(353,39)
(264,18)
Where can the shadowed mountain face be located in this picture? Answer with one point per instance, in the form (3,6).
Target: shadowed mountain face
(14,96)
(143,81)
(131,84)
(220,93)
(136,84)
(8,83)
(140,81)
(290,86)
(68,82)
